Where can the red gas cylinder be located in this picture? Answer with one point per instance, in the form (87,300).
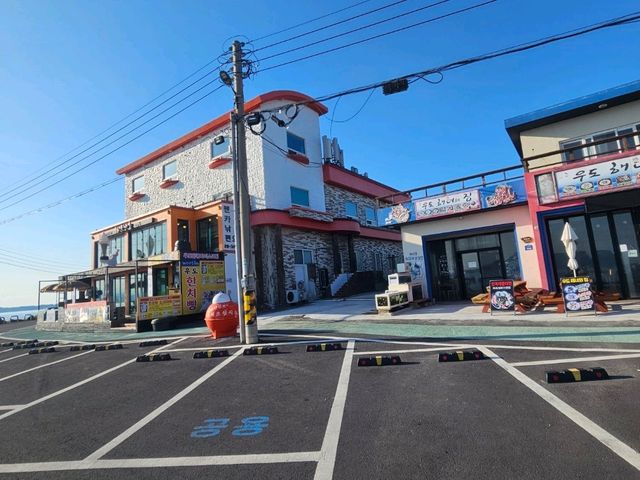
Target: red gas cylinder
(222,316)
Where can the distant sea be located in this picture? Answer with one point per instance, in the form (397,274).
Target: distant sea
(21,312)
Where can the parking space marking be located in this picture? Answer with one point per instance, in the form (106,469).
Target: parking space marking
(329,449)
(44,365)
(561,349)
(414,350)
(249,459)
(102,451)
(9,407)
(7,350)
(618,447)
(13,358)
(573,360)
(75,385)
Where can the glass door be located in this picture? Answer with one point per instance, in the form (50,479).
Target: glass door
(627,247)
(609,275)
(471,273)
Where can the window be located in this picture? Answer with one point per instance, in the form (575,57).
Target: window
(169,170)
(135,289)
(302,257)
(351,209)
(299,197)
(99,292)
(116,247)
(370,216)
(207,231)
(149,241)
(183,231)
(222,148)
(295,144)
(138,184)
(577,151)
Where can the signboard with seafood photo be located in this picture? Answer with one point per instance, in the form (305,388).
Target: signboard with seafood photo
(598,177)
(577,294)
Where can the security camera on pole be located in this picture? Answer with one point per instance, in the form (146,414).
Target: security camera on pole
(248,279)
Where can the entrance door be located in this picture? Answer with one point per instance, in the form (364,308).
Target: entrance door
(627,246)
(478,268)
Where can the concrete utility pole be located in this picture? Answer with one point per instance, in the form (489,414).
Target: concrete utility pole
(236,224)
(248,279)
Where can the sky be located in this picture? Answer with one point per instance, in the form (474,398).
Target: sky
(71,69)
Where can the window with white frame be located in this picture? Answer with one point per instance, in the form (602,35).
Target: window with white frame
(221,147)
(575,149)
(351,209)
(138,184)
(299,196)
(370,216)
(295,144)
(302,257)
(169,170)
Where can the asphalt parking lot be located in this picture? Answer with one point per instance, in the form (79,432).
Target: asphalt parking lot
(298,414)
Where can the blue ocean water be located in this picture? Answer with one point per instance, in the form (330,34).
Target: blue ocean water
(21,314)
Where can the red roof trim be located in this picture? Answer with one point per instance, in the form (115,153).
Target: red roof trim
(343,178)
(279,217)
(220,122)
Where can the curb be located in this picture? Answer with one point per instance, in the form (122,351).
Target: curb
(42,350)
(152,343)
(379,361)
(461,356)
(211,354)
(261,351)
(113,346)
(572,375)
(154,357)
(324,347)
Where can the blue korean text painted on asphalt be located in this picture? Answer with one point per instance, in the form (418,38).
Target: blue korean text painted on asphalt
(251,426)
(212,427)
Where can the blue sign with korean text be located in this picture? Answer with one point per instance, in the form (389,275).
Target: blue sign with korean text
(598,177)
(491,196)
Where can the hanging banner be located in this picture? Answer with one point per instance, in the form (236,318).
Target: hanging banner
(502,297)
(447,204)
(598,177)
(577,294)
(159,307)
(201,277)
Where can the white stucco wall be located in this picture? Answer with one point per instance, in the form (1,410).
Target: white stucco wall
(270,174)
(412,236)
(548,138)
(281,173)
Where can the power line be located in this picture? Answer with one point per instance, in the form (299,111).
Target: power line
(31,268)
(309,21)
(374,37)
(7,195)
(13,255)
(34,264)
(61,201)
(340,22)
(120,146)
(614,22)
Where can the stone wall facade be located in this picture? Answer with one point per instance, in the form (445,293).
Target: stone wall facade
(336,199)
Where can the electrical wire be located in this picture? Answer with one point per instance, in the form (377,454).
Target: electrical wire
(13,255)
(32,268)
(45,175)
(374,37)
(364,104)
(307,22)
(117,148)
(61,201)
(340,22)
(614,22)
(34,264)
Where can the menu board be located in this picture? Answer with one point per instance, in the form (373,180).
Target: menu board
(577,294)
(501,294)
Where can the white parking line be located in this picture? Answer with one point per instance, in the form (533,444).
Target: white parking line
(7,350)
(13,358)
(573,360)
(161,409)
(249,459)
(9,407)
(415,350)
(621,449)
(329,450)
(44,365)
(75,385)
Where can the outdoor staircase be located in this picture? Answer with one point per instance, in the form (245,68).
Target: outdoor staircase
(359,282)
(339,282)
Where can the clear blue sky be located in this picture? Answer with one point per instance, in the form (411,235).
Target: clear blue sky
(69,69)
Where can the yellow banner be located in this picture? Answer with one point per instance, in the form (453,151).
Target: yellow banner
(200,283)
(159,307)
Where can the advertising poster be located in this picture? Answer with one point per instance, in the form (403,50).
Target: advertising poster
(598,177)
(159,307)
(577,293)
(201,277)
(502,296)
(86,312)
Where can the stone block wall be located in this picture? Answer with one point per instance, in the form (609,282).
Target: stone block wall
(336,198)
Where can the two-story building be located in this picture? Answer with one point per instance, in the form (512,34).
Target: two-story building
(314,222)
(583,167)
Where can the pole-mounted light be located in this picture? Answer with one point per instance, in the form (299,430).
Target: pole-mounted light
(226,78)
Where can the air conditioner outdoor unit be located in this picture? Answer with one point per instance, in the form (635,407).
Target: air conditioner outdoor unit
(293,296)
